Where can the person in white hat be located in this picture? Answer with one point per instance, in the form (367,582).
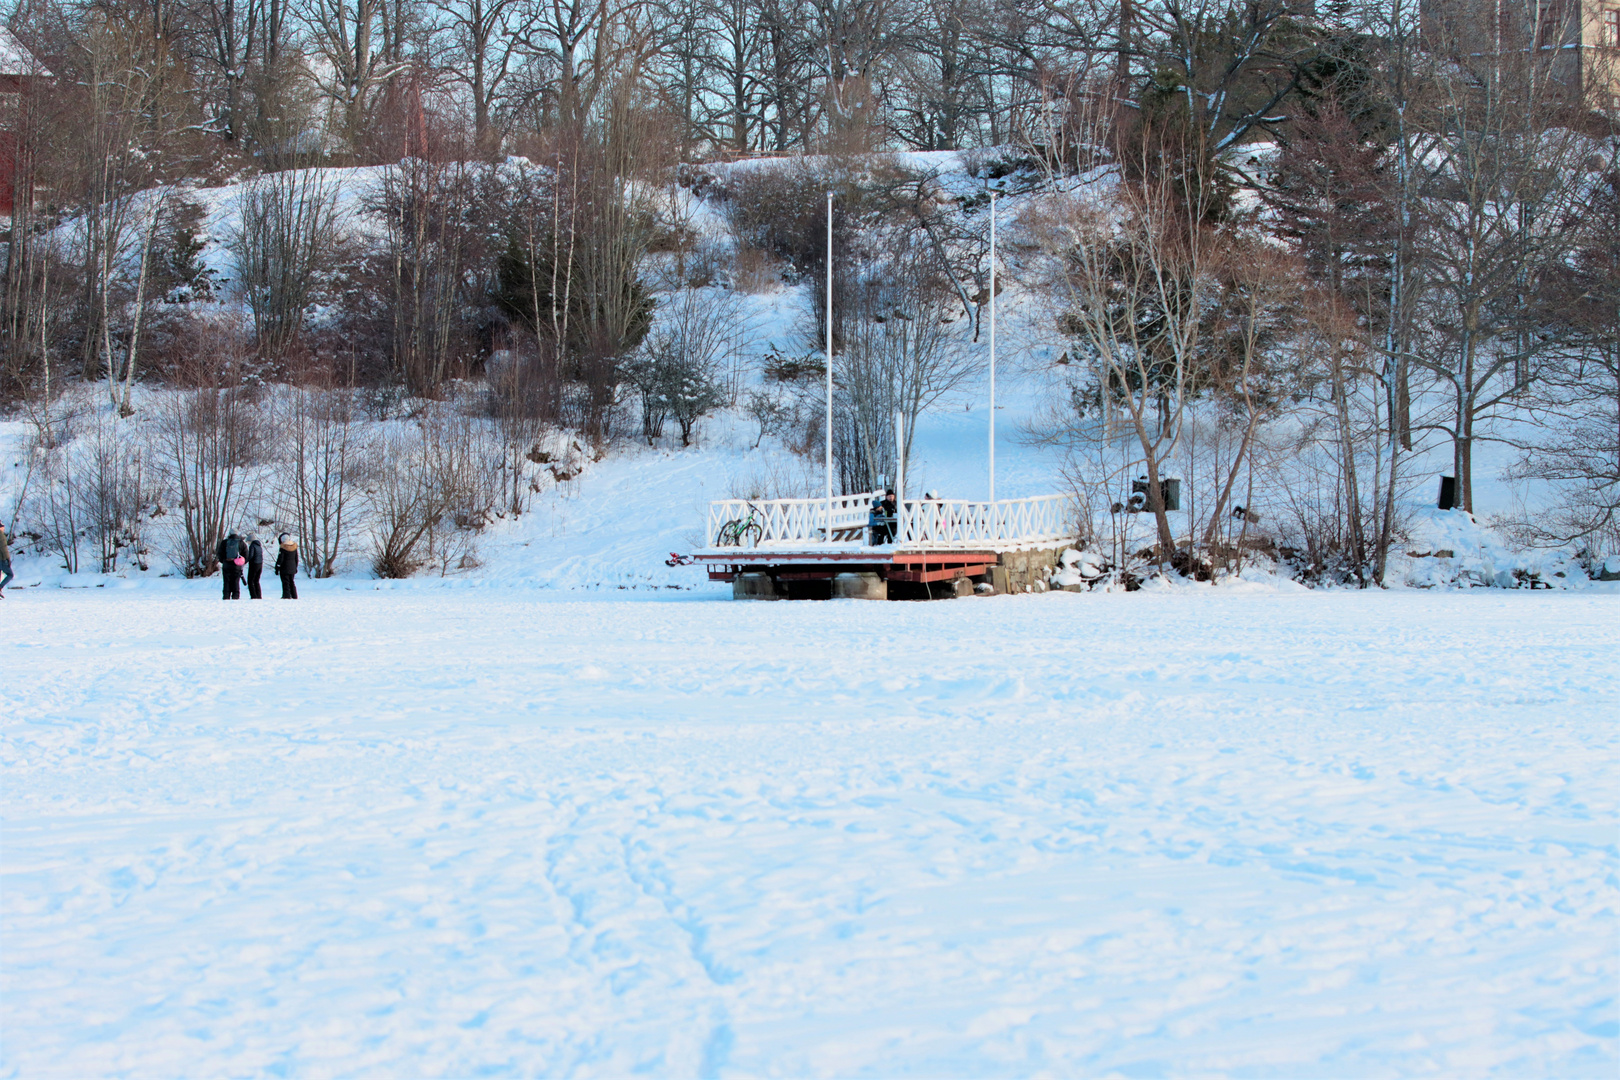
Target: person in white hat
(287,565)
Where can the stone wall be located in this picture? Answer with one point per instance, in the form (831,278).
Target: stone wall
(1025,571)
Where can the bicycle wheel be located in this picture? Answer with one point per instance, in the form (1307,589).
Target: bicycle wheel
(752,533)
(730,535)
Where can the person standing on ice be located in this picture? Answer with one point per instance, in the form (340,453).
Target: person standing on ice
(232,554)
(5,562)
(287,565)
(255,567)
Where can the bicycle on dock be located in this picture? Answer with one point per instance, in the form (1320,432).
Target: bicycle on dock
(750,528)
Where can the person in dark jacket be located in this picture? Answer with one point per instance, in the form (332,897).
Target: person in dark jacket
(287,565)
(232,553)
(5,562)
(255,567)
(881,519)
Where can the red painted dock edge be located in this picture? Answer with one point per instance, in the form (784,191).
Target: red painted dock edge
(913,566)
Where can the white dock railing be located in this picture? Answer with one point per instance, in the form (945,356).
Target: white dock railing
(955,523)
(789,521)
(919,523)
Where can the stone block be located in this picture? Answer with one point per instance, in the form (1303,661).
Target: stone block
(866,586)
(1024,571)
(754,587)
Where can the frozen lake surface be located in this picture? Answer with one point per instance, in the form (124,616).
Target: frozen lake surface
(436,832)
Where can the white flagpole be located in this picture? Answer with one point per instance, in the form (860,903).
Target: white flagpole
(899,474)
(992,349)
(899,456)
(829,365)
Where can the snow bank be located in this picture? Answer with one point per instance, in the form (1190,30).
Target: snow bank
(1452,548)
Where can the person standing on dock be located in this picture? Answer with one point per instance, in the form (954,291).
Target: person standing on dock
(882,519)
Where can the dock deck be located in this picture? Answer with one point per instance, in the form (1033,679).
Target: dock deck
(924,542)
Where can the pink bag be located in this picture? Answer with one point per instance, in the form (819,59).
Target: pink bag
(239,560)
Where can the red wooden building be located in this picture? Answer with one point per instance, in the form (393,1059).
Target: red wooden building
(20,73)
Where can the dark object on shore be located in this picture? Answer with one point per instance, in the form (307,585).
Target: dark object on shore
(1448,493)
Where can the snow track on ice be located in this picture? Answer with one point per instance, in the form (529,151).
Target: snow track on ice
(455,832)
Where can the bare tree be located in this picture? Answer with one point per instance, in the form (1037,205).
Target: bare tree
(35,278)
(942,94)
(1244,380)
(286,236)
(362,44)
(428,213)
(1136,281)
(677,373)
(115,491)
(58,506)
(1502,180)
(318,476)
(134,111)
(1575,447)
(208,439)
(62,514)
(571,273)
(156,213)
(226,38)
(486,55)
(588,46)
(1345,198)
(899,350)
(854,39)
(792,110)
(405,504)
(523,398)
(735,58)
(432,490)
(1228,67)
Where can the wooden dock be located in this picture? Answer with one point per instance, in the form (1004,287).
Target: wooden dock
(776,548)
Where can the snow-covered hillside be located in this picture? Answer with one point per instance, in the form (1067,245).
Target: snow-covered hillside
(619,517)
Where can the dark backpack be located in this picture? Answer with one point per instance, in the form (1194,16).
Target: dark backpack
(233,549)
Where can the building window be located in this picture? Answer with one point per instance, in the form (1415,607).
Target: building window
(1611,28)
(1550,25)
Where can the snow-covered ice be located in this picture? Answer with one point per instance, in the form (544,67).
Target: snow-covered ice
(435,832)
